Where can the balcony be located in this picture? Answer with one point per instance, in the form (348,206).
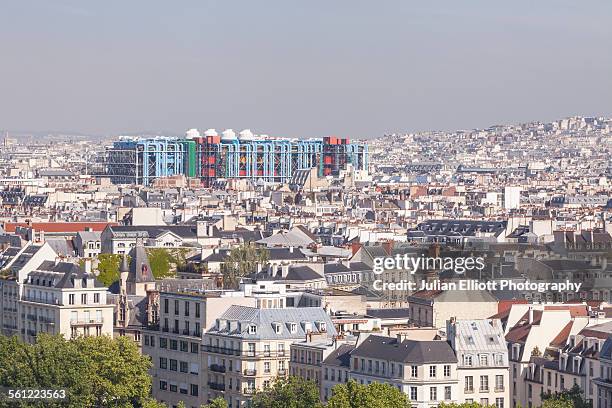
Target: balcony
(217,368)
(40,300)
(165,329)
(31,317)
(31,332)
(175,331)
(499,389)
(251,372)
(220,350)
(282,371)
(216,386)
(248,391)
(45,319)
(85,322)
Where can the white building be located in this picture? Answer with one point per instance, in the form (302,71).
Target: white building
(482,361)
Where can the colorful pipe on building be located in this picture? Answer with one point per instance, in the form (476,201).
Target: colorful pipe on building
(212,156)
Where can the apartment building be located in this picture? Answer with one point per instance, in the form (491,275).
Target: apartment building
(174,343)
(426,371)
(335,369)
(43,295)
(307,359)
(530,330)
(603,383)
(570,360)
(482,361)
(248,347)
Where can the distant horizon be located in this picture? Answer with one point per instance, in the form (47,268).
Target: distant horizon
(25,133)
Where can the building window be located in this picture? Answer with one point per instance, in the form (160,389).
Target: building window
(484,360)
(173,364)
(83,298)
(163,385)
(71,299)
(499,402)
(413,393)
(484,383)
(176,306)
(433,393)
(173,387)
(186,308)
(252,329)
(414,371)
(195,348)
(184,367)
(184,346)
(432,371)
(467,360)
(173,344)
(447,393)
(197,310)
(163,363)
(499,383)
(447,371)
(96,298)
(194,390)
(266,366)
(166,306)
(469,383)
(163,342)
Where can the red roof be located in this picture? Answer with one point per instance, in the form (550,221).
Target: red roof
(561,338)
(58,226)
(578,310)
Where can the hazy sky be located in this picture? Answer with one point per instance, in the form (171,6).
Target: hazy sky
(300,68)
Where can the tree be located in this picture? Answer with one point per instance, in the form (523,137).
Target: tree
(573,397)
(462,405)
(108,268)
(374,395)
(218,402)
(290,392)
(242,261)
(94,371)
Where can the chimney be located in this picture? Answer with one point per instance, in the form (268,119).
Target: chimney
(388,246)
(530,321)
(87,266)
(284,270)
(291,249)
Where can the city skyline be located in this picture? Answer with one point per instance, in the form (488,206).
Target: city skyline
(357,70)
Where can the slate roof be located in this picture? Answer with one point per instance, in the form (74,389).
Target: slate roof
(407,351)
(264,318)
(140,268)
(340,357)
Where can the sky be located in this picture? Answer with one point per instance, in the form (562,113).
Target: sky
(300,68)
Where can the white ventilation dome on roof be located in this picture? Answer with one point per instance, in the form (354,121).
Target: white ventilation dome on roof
(211,132)
(228,134)
(192,134)
(246,134)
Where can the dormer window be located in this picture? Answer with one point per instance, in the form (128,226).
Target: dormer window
(252,329)
(322,326)
(292,327)
(277,327)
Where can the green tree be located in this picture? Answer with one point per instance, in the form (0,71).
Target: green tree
(374,395)
(290,392)
(573,397)
(462,405)
(242,261)
(108,268)
(94,371)
(218,402)
(165,261)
